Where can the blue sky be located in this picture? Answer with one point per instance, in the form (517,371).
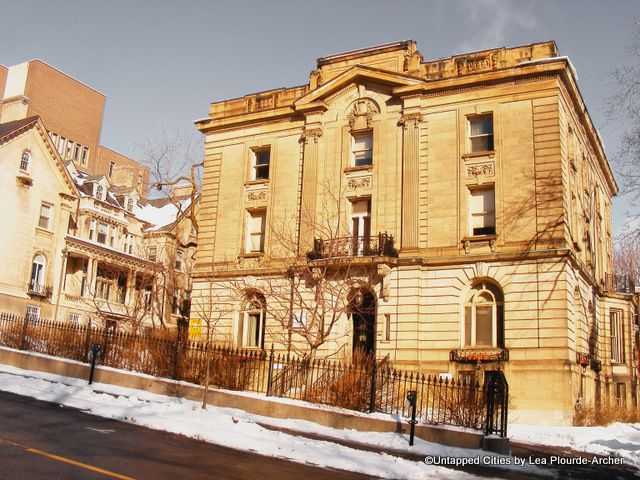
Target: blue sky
(160,63)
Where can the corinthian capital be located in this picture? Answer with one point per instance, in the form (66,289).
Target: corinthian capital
(309,134)
(410,119)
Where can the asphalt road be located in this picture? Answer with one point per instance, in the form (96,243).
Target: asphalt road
(41,440)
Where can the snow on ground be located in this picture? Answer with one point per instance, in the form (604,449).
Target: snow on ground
(230,427)
(617,439)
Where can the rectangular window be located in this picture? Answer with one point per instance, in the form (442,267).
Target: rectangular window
(255,231)
(76,152)
(54,139)
(387,327)
(74,319)
(179,260)
(176,303)
(152,253)
(85,156)
(104,279)
(260,160)
(360,226)
(621,394)
(61,145)
(617,336)
(33,312)
(481,133)
(92,229)
(111,165)
(362,149)
(69,151)
(482,217)
(45,216)
(103,232)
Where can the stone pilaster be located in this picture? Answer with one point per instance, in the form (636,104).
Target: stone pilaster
(410,179)
(309,187)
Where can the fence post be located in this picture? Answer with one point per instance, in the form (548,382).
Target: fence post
(176,358)
(270,372)
(372,400)
(23,338)
(87,342)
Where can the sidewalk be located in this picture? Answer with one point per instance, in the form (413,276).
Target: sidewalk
(527,452)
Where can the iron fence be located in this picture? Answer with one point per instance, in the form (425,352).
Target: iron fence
(360,385)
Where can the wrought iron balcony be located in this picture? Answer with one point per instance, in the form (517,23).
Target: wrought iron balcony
(479,355)
(619,283)
(380,245)
(38,289)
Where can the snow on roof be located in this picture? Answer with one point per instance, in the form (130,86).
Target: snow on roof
(161,216)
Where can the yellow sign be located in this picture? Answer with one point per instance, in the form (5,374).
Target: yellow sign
(195,328)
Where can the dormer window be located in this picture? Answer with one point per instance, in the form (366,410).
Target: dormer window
(25,161)
(129,204)
(99,192)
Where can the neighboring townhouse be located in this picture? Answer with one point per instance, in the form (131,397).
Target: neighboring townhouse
(39,198)
(464,204)
(171,240)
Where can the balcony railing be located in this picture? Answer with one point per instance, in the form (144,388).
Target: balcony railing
(380,245)
(619,283)
(38,289)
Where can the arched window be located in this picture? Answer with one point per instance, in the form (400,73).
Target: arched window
(484,316)
(37,274)
(251,322)
(25,161)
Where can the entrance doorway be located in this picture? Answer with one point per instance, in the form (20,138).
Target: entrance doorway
(363,314)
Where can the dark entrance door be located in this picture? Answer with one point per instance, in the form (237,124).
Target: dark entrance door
(363,312)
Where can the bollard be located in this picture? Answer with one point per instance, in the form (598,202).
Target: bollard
(411,402)
(95,351)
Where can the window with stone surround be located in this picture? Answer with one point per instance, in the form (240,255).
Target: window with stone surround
(44,221)
(482,215)
(484,316)
(362,148)
(250,333)
(617,336)
(25,161)
(260,161)
(254,241)
(481,133)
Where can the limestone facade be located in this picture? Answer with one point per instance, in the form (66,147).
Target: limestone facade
(475,199)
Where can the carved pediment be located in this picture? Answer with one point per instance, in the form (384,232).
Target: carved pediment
(357,75)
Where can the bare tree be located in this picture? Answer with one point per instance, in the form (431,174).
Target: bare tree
(126,296)
(627,258)
(623,106)
(321,275)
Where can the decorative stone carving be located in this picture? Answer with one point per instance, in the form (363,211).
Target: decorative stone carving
(359,182)
(262,102)
(483,63)
(363,107)
(485,169)
(256,195)
(309,134)
(480,269)
(492,245)
(410,119)
(316,78)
